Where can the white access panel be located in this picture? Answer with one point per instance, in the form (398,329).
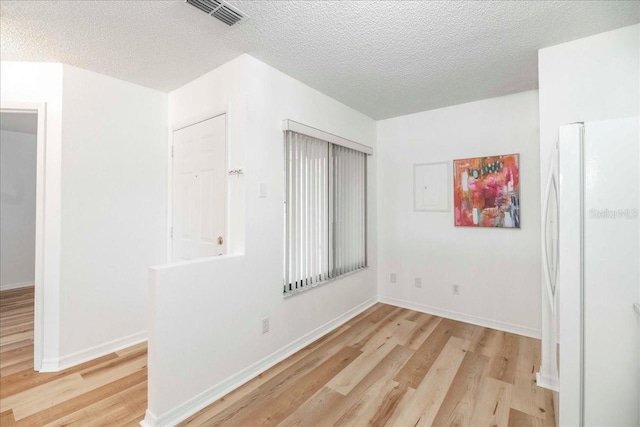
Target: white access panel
(199,190)
(611,273)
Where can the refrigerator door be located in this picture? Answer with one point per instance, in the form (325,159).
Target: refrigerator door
(611,273)
(599,273)
(570,171)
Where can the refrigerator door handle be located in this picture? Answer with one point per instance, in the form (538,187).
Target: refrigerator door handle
(549,275)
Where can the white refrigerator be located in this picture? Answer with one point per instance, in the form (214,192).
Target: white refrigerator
(592,264)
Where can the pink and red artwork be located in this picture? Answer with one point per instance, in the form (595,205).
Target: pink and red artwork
(486,191)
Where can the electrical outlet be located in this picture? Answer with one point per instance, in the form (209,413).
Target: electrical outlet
(418,282)
(455,289)
(265,325)
(392,278)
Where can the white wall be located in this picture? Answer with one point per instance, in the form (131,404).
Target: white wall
(594,78)
(104,207)
(114,160)
(205,328)
(17,209)
(42,83)
(498,270)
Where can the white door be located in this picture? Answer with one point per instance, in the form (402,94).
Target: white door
(199,190)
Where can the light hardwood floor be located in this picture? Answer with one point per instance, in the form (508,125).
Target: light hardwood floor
(111,390)
(396,367)
(387,366)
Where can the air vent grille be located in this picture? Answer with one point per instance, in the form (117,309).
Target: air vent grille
(227,15)
(220,10)
(207,6)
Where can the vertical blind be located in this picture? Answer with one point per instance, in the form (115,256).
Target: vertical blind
(349,210)
(325,211)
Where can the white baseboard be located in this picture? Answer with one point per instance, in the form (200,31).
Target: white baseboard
(150,420)
(550,382)
(73,359)
(204,399)
(10,286)
(462,317)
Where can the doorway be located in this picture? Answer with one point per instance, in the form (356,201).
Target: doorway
(18,199)
(22,214)
(199,190)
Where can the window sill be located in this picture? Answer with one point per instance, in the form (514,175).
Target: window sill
(324,282)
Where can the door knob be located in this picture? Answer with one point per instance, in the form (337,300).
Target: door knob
(220,240)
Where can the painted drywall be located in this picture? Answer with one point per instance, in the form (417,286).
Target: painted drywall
(206,322)
(498,270)
(42,83)
(17,209)
(114,160)
(594,78)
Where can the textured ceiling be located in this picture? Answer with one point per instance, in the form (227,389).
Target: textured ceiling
(383,58)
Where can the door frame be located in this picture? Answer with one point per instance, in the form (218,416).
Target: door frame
(40,109)
(176,127)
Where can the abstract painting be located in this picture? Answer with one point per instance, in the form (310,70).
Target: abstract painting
(486,191)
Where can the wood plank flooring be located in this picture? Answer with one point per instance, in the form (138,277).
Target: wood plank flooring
(395,367)
(111,390)
(387,366)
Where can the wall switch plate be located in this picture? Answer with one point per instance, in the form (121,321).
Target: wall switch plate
(418,282)
(392,278)
(265,325)
(263,190)
(455,289)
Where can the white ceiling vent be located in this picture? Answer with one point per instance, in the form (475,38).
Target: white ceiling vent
(220,10)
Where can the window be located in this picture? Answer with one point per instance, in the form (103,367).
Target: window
(325,211)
